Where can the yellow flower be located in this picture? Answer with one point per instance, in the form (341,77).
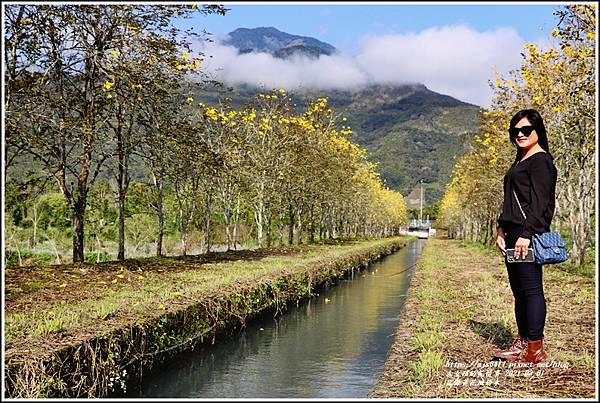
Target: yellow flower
(190,100)
(161,306)
(591,35)
(555,32)
(107,85)
(186,55)
(115,52)
(195,64)
(109,96)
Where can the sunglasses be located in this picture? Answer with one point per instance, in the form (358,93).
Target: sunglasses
(526,130)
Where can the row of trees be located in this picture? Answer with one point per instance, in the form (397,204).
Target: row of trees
(91,87)
(560,84)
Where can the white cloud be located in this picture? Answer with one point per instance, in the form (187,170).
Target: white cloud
(453,60)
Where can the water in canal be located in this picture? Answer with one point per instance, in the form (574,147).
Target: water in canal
(331,346)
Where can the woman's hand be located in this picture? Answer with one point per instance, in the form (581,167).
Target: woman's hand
(500,242)
(521,247)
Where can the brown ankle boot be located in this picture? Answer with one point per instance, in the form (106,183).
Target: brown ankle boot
(535,352)
(519,346)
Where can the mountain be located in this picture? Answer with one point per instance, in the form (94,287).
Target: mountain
(411,131)
(277,43)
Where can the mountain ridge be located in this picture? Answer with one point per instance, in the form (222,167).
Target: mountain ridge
(409,130)
(279,44)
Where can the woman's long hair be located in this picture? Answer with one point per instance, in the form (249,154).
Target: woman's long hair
(537,122)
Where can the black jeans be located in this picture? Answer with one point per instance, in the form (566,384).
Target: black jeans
(526,284)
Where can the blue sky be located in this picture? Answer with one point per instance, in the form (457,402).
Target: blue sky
(342,25)
(454,49)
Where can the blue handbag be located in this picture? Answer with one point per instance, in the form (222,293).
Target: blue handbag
(548,247)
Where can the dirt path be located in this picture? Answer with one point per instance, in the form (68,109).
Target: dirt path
(460,307)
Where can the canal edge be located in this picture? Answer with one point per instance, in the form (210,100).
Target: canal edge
(100,365)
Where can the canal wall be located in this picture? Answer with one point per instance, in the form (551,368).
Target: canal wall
(106,365)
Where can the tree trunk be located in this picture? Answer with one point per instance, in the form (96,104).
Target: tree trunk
(97,249)
(227,217)
(236,218)
(78,234)
(268,223)
(331,224)
(299,234)
(291,231)
(122,183)
(184,241)
(161,219)
(321,224)
(121,253)
(281,232)
(312,224)
(35,219)
(207,222)
(259,215)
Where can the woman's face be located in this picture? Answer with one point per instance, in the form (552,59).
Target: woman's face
(525,141)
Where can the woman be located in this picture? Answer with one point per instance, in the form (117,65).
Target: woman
(530,182)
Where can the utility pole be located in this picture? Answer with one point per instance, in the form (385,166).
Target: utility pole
(421,210)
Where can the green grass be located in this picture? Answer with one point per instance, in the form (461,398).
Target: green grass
(157,290)
(425,341)
(460,306)
(428,363)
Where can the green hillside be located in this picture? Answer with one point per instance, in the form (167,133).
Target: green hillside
(410,131)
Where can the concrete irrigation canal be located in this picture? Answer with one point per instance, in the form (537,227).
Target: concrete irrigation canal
(333,345)
(322,315)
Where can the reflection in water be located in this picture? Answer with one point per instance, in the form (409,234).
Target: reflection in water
(320,349)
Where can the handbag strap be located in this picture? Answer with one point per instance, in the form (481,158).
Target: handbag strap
(520,208)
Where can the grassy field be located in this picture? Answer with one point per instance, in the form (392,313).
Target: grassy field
(52,299)
(460,307)
(102,312)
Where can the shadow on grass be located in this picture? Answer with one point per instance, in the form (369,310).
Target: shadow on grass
(495,332)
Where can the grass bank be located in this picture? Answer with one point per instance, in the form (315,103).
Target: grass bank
(460,307)
(88,329)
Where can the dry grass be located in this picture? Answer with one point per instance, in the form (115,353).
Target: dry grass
(464,291)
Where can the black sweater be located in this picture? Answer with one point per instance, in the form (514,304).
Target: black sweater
(534,182)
